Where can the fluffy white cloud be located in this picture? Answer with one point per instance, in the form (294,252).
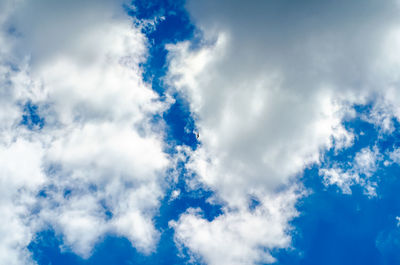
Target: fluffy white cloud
(247,130)
(99,158)
(21,176)
(269,88)
(239,237)
(121,174)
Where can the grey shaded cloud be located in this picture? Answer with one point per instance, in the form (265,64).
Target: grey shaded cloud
(271,91)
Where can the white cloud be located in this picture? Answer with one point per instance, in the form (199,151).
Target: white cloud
(365,161)
(99,159)
(123,172)
(395,155)
(269,89)
(359,171)
(21,177)
(241,133)
(239,237)
(175,194)
(337,176)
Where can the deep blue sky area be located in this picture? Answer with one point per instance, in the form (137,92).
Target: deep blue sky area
(337,228)
(332,227)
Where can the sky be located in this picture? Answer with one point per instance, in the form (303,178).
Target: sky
(207,132)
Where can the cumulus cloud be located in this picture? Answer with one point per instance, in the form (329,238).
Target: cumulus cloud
(98,161)
(269,88)
(239,237)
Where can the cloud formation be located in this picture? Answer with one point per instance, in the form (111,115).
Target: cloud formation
(359,171)
(269,85)
(269,88)
(97,164)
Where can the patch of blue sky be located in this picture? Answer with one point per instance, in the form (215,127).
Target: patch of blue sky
(338,228)
(31,118)
(181,125)
(48,248)
(112,250)
(174,26)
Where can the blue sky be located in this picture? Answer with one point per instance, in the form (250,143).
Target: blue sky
(296,106)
